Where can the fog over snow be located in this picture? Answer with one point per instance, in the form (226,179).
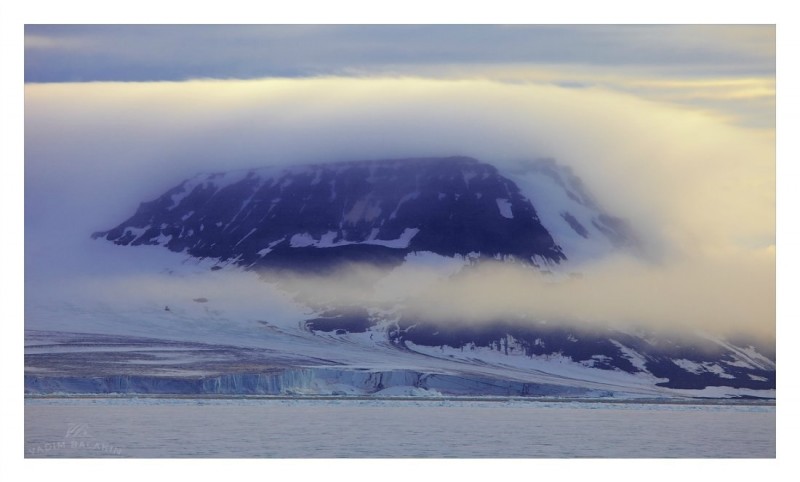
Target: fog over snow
(698,190)
(669,127)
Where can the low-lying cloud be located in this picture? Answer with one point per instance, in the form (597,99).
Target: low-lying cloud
(716,296)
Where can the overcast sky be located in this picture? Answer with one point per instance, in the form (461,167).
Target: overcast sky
(727,68)
(58,53)
(672,127)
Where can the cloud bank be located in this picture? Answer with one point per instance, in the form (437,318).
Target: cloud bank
(698,190)
(713,296)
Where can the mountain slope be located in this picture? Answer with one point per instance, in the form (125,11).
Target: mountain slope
(211,325)
(369,211)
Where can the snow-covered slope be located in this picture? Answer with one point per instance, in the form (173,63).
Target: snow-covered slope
(197,318)
(582,229)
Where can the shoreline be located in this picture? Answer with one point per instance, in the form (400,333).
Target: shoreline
(533,400)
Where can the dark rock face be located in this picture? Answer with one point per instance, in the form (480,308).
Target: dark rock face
(688,363)
(341,320)
(310,217)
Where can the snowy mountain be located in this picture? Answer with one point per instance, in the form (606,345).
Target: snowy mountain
(319,215)
(442,216)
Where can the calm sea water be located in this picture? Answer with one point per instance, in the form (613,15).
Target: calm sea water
(392,428)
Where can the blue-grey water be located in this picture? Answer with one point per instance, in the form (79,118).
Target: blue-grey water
(159,427)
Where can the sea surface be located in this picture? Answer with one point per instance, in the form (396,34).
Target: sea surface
(330,428)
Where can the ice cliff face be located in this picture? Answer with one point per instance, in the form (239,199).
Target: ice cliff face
(298,362)
(310,217)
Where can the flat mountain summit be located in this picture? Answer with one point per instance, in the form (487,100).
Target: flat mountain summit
(314,216)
